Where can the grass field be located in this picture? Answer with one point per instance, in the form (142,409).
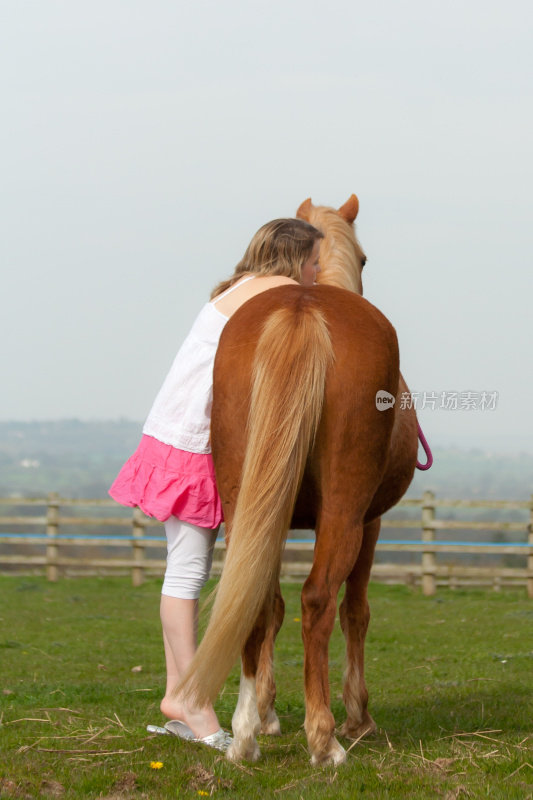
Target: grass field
(450,681)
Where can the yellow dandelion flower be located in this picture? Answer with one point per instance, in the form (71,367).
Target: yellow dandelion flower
(156,764)
(204,794)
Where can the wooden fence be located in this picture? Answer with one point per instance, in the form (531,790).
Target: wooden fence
(61,552)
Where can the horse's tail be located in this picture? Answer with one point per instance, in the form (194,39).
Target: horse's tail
(288,380)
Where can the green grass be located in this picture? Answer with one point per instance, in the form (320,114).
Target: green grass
(450,681)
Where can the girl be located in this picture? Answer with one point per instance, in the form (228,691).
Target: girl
(171,474)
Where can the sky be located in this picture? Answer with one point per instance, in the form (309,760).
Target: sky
(143,143)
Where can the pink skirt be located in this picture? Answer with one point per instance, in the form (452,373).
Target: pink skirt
(164,481)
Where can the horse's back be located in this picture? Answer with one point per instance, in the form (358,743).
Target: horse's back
(363,339)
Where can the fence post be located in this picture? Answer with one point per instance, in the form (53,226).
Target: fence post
(52,526)
(429,564)
(530,553)
(139,525)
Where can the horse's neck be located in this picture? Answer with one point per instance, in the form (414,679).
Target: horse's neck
(339,265)
(337,276)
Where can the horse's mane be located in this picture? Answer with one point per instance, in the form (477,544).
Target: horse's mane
(341,255)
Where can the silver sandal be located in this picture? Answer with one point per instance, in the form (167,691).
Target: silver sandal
(220,740)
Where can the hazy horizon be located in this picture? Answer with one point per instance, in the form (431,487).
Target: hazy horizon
(505,444)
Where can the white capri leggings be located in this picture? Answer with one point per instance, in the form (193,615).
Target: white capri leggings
(189,558)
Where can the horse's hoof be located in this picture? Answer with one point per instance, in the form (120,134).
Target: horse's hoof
(335,754)
(243,751)
(270,725)
(356,731)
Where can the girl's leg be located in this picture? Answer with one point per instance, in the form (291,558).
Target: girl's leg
(190,552)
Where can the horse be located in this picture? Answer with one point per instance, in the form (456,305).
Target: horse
(300,439)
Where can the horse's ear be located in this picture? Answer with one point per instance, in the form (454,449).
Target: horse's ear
(350,209)
(305,209)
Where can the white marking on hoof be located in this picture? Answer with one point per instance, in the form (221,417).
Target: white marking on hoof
(335,754)
(243,750)
(246,724)
(270,725)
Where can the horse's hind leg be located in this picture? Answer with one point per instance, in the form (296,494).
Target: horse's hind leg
(355,615)
(246,722)
(265,685)
(336,549)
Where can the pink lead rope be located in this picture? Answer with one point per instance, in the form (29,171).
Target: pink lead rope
(427,450)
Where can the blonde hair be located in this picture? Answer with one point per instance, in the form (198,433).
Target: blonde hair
(280,247)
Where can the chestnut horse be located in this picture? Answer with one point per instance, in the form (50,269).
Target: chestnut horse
(300,439)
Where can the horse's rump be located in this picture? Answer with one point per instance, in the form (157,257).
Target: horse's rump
(352,430)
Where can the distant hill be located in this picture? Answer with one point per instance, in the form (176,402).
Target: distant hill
(81,459)
(476,474)
(74,458)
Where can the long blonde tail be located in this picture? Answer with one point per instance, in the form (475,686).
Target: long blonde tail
(289,372)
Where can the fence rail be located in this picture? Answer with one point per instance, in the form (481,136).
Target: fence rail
(56,556)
